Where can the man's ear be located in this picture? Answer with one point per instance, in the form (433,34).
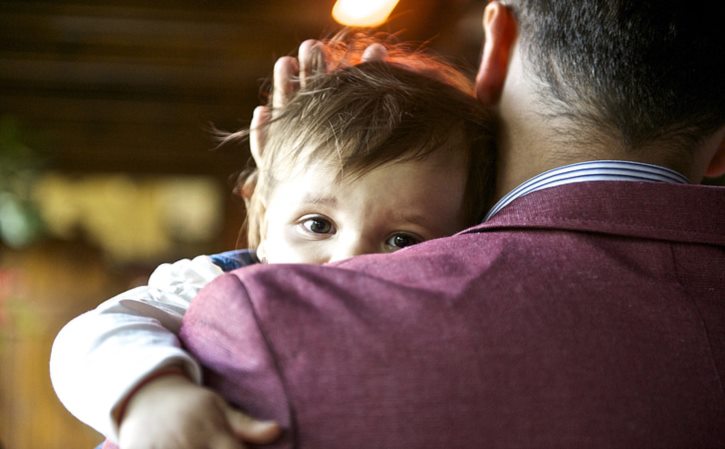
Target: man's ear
(499,26)
(716,167)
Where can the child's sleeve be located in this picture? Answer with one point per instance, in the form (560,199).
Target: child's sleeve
(99,357)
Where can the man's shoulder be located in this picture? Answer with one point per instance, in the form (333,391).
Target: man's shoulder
(538,324)
(482,322)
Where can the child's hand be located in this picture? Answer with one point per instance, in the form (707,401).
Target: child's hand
(171,412)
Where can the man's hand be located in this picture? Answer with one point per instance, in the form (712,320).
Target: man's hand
(290,74)
(171,412)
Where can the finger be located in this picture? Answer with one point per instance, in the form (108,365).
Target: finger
(311,56)
(374,53)
(285,82)
(303,56)
(258,132)
(252,430)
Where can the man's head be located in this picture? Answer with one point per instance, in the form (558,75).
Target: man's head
(351,127)
(642,76)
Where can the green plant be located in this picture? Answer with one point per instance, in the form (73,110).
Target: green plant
(20,222)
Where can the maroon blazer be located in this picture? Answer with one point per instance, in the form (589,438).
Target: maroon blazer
(588,315)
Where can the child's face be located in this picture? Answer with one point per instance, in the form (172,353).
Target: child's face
(313,218)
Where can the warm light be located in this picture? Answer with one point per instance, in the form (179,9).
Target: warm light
(363,13)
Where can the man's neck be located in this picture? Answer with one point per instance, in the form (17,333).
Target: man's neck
(525,141)
(530,144)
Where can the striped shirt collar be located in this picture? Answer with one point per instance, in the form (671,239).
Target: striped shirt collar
(590,171)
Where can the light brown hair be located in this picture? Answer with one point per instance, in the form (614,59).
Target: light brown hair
(359,116)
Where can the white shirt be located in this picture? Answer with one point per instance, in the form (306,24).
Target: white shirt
(135,330)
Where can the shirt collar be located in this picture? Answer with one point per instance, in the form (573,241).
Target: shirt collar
(590,171)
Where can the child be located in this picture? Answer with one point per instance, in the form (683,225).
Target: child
(368,157)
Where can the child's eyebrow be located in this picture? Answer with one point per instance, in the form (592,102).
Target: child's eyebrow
(427,221)
(316,199)
(413,217)
(419,219)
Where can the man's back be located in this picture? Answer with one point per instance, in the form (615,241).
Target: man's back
(582,316)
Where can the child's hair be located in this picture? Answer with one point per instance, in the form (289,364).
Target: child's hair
(359,116)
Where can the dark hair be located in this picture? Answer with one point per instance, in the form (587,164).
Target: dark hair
(650,71)
(361,116)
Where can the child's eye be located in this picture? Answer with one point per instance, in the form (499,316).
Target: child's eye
(401,240)
(317,225)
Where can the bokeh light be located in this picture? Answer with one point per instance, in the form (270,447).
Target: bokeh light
(363,13)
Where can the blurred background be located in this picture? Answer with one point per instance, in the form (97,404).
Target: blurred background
(106,161)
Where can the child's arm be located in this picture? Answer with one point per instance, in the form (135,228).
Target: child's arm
(119,368)
(101,356)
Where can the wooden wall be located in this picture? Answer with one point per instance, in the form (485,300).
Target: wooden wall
(132,85)
(41,289)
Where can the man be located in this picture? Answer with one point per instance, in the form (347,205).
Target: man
(587,311)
